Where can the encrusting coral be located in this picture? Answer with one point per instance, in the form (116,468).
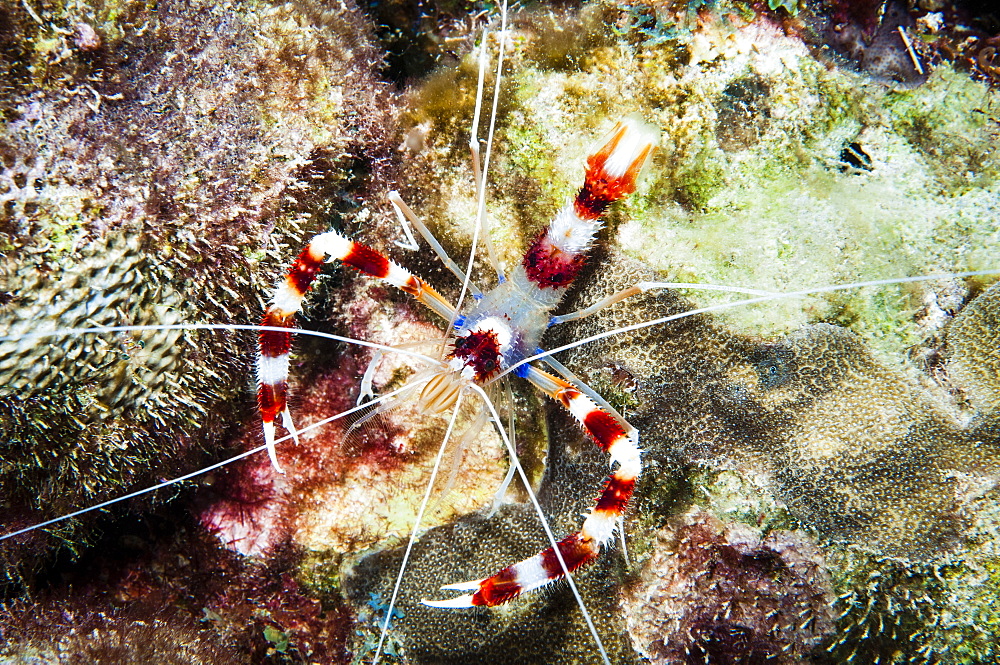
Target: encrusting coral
(974,345)
(831,428)
(836,452)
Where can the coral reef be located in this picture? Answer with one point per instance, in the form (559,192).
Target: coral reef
(836,453)
(855,444)
(765,204)
(147,165)
(162,590)
(938,611)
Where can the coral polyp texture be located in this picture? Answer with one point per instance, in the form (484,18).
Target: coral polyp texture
(820,471)
(974,348)
(151,159)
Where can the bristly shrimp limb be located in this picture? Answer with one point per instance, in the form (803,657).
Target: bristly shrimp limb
(275,346)
(599,527)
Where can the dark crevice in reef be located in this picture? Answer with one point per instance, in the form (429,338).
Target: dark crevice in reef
(419,36)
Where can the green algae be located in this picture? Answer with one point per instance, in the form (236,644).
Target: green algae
(948,120)
(735,498)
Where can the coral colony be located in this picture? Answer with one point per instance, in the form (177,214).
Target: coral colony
(818,472)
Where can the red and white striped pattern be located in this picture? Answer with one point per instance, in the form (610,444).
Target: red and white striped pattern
(275,345)
(549,267)
(598,530)
(558,253)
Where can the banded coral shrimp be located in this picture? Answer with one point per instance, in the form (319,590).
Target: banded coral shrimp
(544,610)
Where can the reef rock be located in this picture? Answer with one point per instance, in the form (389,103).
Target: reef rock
(711,593)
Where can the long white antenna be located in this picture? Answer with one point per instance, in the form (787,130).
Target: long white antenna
(486,161)
(477,175)
(413,532)
(545,524)
(194,474)
(740,303)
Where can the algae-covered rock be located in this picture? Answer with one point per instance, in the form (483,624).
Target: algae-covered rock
(712,593)
(753,185)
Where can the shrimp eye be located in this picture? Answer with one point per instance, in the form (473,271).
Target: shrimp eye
(461,342)
(490,365)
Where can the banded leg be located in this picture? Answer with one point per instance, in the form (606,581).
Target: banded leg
(286,300)
(556,255)
(598,528)
(404,213)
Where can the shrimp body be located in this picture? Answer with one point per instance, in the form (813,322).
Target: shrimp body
(518,310)
(497,333)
